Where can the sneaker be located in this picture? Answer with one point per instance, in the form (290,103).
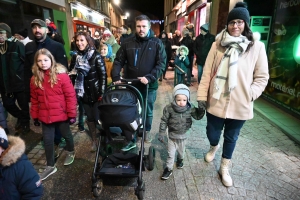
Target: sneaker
(81,128)
(148,138)
(179,164)
(166,174)
(129,146)
(62,143)
(70,157)
(47,172)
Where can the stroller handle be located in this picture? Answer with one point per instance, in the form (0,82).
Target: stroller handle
(130,81)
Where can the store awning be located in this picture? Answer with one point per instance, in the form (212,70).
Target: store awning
(86,23)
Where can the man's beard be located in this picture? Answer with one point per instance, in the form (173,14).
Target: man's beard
(41,37)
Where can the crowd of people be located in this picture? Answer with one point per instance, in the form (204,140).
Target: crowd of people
(232,73)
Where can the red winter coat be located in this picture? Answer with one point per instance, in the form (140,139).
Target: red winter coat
(53,104)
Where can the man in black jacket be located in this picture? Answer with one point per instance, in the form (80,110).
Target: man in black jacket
(41,40)
(188,42)
(202,46)
(142,56)
(12,78)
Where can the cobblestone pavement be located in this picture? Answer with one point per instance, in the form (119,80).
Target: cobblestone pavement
(265,164)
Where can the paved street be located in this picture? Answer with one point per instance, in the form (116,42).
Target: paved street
(265,164)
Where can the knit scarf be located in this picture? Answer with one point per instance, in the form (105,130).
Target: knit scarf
(83,67)
(227,70)
(180,109)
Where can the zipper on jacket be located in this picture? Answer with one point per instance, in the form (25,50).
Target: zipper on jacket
(136,56)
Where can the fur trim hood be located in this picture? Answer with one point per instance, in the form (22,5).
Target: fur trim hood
(13,153)
(60,69)
(184,48)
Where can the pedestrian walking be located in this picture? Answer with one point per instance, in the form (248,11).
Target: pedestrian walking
(182,61)
(177,117)
(53,102)
(18,178)
(90,82)
(201,48)
(12,79)
(235,74)
(168,48)
(142,56)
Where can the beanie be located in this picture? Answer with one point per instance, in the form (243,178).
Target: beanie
(107,33)
(3,139)
(6,28)
(204,27)
(185,31)
(239,12)
(181,89)
(23,32)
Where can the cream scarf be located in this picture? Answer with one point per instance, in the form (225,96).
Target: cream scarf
(227,70)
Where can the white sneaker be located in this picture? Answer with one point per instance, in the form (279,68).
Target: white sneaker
(210,155)
(70,158)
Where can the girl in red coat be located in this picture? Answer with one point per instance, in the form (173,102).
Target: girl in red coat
(53,102)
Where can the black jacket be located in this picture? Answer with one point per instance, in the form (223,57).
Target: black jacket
(167,44)
(95,81)
(202,46)
(143,57)
(12,68)
(56,49)
(188,42)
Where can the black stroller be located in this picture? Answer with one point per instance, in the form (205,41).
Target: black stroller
(123,113)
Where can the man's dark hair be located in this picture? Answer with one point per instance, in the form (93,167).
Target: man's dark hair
(142,17)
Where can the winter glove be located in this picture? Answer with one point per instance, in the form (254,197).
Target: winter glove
(36,122)
(161,138)
(72,120)
(202,105)
(182,58)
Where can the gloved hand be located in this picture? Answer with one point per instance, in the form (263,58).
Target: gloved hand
(182,58)
(202,105)
(161,138)
(72,120)
(36,122)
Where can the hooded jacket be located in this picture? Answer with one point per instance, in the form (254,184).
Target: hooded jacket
(183,64)
(202,46)
(55,104)
(140,57)
(252,78)
(113,43)
(178,123)
(18,178)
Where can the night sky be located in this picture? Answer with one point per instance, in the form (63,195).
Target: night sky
(155,7)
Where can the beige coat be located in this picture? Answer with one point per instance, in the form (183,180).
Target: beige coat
(252,78)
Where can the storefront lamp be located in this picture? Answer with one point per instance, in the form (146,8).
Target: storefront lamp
(296,49)
(117,2)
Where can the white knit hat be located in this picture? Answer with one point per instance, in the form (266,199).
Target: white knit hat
(181,89)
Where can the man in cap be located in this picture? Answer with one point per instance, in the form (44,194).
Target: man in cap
(41,40)
(22,36)
(12,78)
(202,46)
(18,179)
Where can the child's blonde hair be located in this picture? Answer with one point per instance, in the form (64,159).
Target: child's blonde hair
(39,73)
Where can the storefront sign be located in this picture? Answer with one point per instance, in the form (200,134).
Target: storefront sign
(284,56)
(82,12)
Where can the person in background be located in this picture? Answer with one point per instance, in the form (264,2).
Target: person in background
(123,31)
(18,179)
(96,42)
(97,39)
(234,75)
(12,87)
(191,29)
(90,82)
(51,24)
(108,38)
(143,57)
(168,49)
(22,36)
(183,62)
(55,36)
(170,38)
(188,42)
(201,48)
(53,102)
(177,118)
(177,38)
(129,32)
(107,55)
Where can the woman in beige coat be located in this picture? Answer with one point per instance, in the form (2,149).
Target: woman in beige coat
(235,74)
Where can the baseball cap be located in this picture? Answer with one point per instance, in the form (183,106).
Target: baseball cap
(39,22)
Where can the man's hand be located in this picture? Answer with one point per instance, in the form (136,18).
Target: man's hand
(117,82)
(202,105)
(143,80)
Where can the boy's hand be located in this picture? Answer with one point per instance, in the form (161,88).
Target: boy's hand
(161,138)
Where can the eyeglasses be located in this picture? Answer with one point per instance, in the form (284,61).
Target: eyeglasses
(238,23)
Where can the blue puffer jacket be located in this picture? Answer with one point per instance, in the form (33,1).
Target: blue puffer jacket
(18,178)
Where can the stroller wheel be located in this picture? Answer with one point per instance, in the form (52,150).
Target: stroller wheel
(97,188)
(139,192)
(151,156)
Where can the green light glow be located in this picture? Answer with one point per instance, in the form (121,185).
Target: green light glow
(296,49)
